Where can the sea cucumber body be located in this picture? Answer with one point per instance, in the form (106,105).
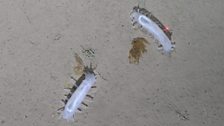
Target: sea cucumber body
(78,96)
(146,24)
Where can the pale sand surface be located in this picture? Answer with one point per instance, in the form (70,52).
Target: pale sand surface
(38,39)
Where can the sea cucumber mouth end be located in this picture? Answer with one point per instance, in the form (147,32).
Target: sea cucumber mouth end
(89,69)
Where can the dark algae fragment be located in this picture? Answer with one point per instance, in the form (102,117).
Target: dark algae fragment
(138,48)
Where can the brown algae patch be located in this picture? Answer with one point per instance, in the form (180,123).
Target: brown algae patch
(79,65)
(138,48)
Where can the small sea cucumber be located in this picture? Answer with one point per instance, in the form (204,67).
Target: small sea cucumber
(147,22)
(78,94)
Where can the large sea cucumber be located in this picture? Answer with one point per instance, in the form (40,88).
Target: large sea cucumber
(147,22)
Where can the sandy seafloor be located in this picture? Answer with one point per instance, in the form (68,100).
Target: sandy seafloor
(38,39)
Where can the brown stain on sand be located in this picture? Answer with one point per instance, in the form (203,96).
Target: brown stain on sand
(138,48)
(79,65)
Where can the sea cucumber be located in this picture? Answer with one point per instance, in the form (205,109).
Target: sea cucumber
(76,99)
(143,19)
